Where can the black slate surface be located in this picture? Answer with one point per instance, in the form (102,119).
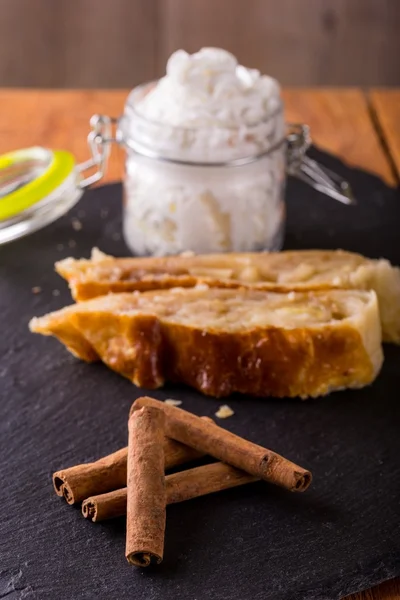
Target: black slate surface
(257,542)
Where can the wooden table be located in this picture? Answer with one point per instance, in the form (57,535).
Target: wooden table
(361,128)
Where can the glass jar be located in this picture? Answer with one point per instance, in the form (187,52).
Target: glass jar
(204,189)
(211,189)
(185,189)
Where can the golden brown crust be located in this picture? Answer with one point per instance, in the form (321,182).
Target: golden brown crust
(265,271)
(306,360)
(82,290)
(305,270)
(299,363)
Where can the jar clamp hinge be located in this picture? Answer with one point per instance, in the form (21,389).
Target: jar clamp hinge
(309,171)
(298,163)
(99,141)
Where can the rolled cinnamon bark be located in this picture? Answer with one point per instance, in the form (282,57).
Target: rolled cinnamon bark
(105,506)
(104,475)
(229,448)
(179,487)
(109,473)
(146,500)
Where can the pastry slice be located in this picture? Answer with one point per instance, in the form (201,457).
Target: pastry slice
(282,271)
(221,341)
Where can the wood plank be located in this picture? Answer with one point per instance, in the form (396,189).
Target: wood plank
(341,124)
(339,120)
(58,119)
(95,43)
(312,42)
(386,105)
(88,43)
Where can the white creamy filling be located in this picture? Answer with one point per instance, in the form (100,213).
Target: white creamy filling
(210,89)
(207,108)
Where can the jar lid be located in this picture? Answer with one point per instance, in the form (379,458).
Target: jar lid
(37,186)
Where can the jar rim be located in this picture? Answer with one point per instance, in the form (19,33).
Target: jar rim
(131,110)
(233,162)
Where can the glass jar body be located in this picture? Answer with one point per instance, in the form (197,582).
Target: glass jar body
(170,207)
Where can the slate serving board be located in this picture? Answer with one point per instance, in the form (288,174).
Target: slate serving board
(257,542)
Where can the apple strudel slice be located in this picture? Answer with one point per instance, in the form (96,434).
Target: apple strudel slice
(221,341)
(306,270)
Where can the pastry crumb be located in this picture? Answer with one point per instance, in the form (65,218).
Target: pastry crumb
(224,412)
(36,289)
(56,292)
(81,214)
(97,254)
(72,243)
(60,246)
(103,213)
(76,224)
(116,236)
(172,402)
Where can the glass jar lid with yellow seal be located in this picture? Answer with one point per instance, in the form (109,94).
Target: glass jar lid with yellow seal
(39,185)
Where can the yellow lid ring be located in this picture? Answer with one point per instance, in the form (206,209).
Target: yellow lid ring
(61,165)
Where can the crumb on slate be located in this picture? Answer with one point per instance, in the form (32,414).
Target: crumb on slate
(224,412)
(116,236)
(36,289)
(97,254)
(81,214)
(76,224)
(56,292)
(60,246)
(172,402)
(103,213)
(72,243)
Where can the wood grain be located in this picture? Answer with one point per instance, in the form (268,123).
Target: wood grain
(58,119)
(312,42)
(77,43)
(340,123)
(339,120)
(386,107)
(94,43)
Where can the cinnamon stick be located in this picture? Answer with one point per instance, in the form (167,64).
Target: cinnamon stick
(105,506)
(229,448)
(179,487)
(109,473)
(146,500)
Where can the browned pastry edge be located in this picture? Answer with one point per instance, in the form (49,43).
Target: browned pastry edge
(295,362)
(276,271)
(149,273)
